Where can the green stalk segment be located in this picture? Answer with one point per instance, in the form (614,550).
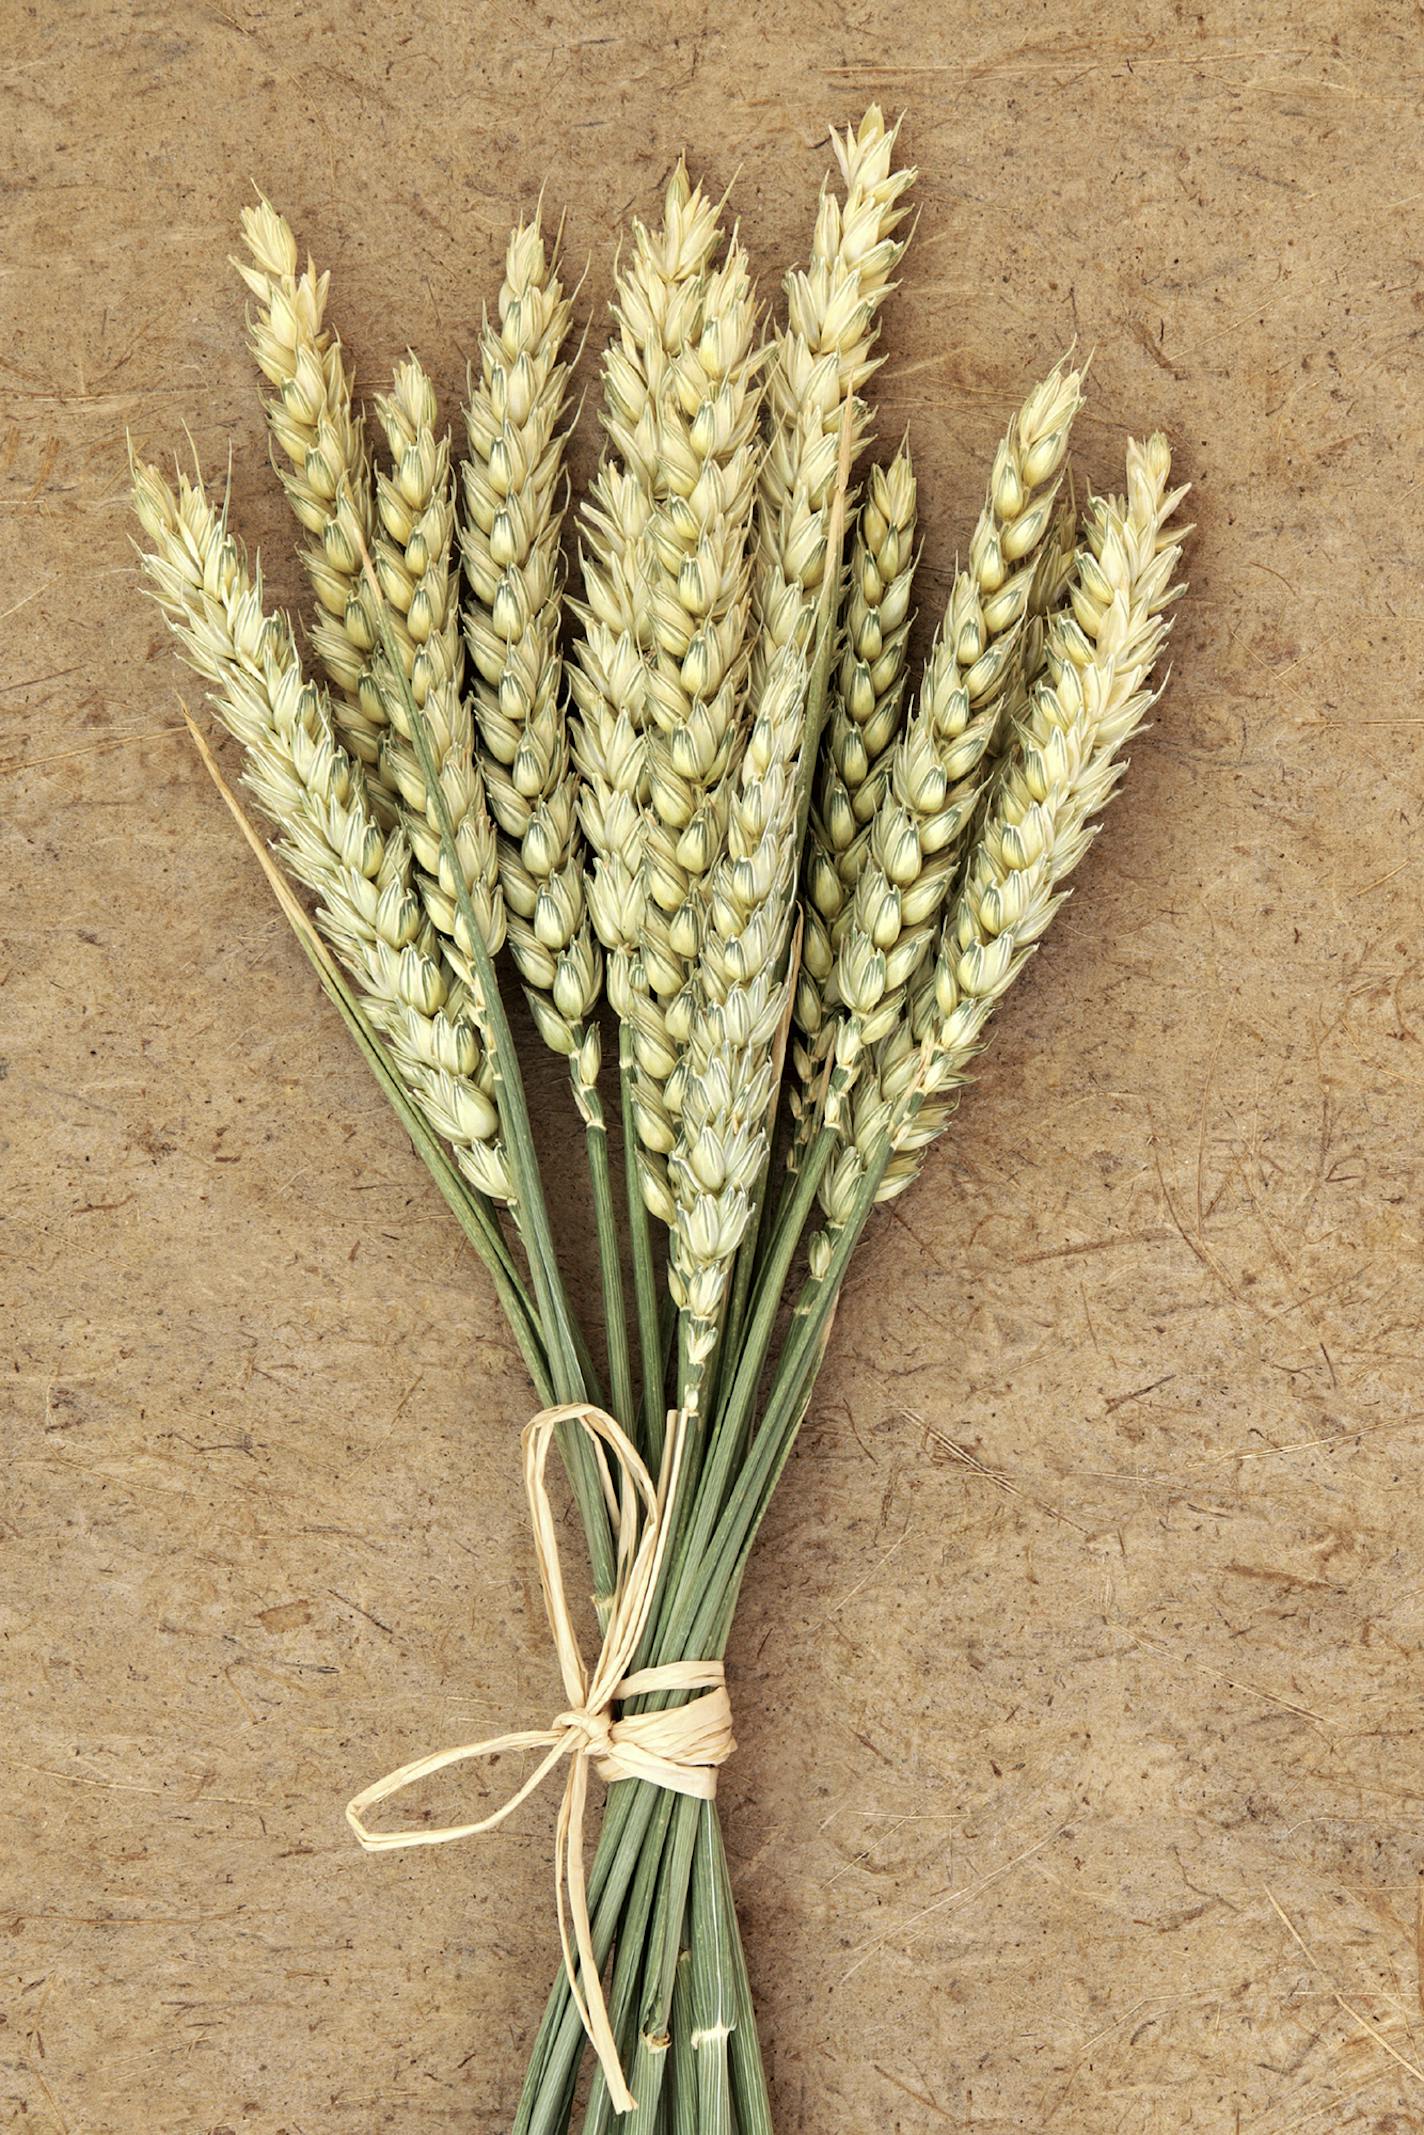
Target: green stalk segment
(680,2091)
(645,1276)
(661,1951)
(715,2003)
(610,1266)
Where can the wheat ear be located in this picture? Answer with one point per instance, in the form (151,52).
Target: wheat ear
(865,716)
(657,307)
(1063,770)
(316,794)
(937,769)
(821,361)
(725,1077)
(695,692)
(414,564)
(323,466)
(514,491)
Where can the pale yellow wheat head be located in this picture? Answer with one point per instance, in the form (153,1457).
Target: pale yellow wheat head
(316,795)
(1063,768)
(321,459)
(514,492)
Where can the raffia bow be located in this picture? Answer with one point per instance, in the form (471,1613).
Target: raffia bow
(679,1749)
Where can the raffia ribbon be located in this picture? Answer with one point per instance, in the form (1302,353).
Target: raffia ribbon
(679,1749)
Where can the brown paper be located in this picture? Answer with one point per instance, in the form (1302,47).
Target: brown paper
(1094,1577)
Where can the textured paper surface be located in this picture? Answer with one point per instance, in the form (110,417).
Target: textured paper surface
(1095,1577)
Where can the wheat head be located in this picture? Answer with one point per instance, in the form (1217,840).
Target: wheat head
(414,567)
(657,307)
(865,717)
(321,460)
(316,795)
(824,357)
(696,671)
(514,491)
(1062,771)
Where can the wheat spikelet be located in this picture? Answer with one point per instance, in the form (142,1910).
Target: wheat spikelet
(413,558)
(720,1090)
(822,359)
(514,493)
(317,796)
(322,463)
(866,712)
(1064,768)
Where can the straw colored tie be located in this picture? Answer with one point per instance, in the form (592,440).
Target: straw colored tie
(680,1748)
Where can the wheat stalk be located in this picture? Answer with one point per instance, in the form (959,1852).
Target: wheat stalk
(317,796)
(322,463)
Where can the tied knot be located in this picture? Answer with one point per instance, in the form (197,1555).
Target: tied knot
(595,1728)
(679,1746)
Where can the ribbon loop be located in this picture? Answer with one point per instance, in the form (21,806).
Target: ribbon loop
(679,1748)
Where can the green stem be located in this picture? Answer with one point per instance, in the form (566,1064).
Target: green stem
(685,1561)
(682,2075)
(610,1264)
(628,1963)
(706,1606)
(645,1274)
(628,1813)
(715,2009)
(702,1627)
(749,2092)
(660,1955)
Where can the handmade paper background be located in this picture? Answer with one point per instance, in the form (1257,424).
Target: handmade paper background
(1078,1683)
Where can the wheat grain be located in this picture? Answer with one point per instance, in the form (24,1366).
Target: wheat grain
(317,796)
(514,491)
(322,465)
